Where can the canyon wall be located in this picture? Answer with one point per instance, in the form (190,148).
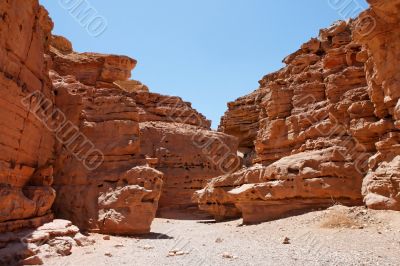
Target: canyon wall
(102,182)
(381,186)
(322,129)
(26,146)
(108,141)
(132,132)
(109,153)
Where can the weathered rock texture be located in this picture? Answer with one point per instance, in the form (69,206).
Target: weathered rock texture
(243,121)
(111,132)
(319,126)
(379,31)
(188,156)
(123,125)
(26,146)
(102,181)
(29,246)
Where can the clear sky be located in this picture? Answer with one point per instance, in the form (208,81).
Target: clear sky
(208,52)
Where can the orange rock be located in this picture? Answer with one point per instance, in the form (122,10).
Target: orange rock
(188,156)
(318,125)
(26,144)
(377,29)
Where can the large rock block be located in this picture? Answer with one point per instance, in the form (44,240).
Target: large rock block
(378,30)
(97,188)
(317,127)
(189,156)
(300,182)
(26,146)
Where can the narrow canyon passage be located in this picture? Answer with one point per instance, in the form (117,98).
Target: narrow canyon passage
(97,168)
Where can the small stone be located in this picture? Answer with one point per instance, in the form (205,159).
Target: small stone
(108,254)
(34,260)
(147,247)
(219,240)
(119,246)
(62,245)
(286,241)
(83,241)
(227,255)
(106,237)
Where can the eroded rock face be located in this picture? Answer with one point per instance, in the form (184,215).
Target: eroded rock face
(30,246)
(102,181)
(91,69)
(316,130)
(188,156)
(378,29)
(291,185)
(243,120)
(26,146)
(120,124)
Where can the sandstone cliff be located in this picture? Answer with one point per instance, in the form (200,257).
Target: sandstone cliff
(102,181)
(323,129)
(381,186)
(127,126)
(26,146)
(319,128)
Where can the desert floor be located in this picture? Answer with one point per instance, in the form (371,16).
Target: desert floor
(337,236)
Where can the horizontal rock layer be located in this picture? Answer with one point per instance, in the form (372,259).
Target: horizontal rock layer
(323,128)
(379,31)
(188,156)
(119,124)
(102,182)
(26,145)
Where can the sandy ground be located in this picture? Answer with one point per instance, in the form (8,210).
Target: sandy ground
(337,236)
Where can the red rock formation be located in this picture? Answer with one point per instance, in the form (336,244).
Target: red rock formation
(128,126)
(98,186)
(317,128)
(242,120)
(29,246)
(188,156)
(26,145)
(378,29)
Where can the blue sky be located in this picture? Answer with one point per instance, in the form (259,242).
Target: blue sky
(208,52)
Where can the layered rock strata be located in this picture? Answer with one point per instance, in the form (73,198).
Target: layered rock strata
(103,183)
(316,130)
(188,156)
(120,124)
(378,30)
(30,246)
(26,145)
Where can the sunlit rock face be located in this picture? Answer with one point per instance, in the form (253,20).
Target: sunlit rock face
(26,146)
(378,30)
(189,156)
(321,130)
(103,182)
(129,127)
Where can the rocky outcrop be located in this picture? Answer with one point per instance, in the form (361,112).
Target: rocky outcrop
(293,184)
(98,70)
(114,132)
(26,145)
(188,156)
(316,130)
(30,246)
(378,29)
(102,181)
(242,120)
